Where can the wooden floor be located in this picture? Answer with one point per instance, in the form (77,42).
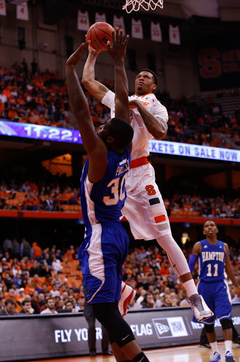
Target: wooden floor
(174,354)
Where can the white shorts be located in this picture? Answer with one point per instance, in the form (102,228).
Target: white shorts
(144,207)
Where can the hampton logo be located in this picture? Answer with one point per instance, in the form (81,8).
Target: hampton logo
(170,327)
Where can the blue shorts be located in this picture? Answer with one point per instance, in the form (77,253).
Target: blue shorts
(101,256)
(217,298)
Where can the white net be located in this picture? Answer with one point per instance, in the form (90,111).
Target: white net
(134,5)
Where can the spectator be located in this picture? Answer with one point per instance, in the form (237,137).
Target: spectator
(68,306)
(167,301)
(36,252)
(9,308)
(27,307)
(25,248)
(148,301)
(50,307)
(16,249)
(57,265)
(7,245)
(54,292)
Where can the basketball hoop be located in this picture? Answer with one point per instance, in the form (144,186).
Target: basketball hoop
(134,5)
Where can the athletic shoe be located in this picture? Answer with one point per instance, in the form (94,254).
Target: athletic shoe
(216,357)
(204,345)
(229,357)
(127,295)
(199,307)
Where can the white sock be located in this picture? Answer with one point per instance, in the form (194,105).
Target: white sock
(214,347)
(228,346)
(190,287)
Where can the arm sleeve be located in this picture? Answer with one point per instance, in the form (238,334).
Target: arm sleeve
(192,261)
(109,99)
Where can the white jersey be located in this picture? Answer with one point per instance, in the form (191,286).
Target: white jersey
(144,207)
(141,136)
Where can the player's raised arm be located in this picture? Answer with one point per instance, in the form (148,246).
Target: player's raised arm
(117,52)
(97,89)
(94,145)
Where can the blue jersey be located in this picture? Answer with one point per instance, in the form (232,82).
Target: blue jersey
(212,262)
(103,201)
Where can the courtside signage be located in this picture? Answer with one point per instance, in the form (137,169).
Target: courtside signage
(26,130)
(62,335)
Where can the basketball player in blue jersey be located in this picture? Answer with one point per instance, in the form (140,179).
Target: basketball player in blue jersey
(213,258)
(103,193)
(144,208)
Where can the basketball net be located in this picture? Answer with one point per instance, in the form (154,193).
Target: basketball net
(134,5)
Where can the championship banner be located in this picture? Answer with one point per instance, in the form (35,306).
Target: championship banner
(119,23)
(100,18)
(137,31)
(219,63)
(156,34)
(3,8)
(22,12)
(83,21)
(174,35)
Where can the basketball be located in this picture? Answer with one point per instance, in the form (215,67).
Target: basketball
(99,34)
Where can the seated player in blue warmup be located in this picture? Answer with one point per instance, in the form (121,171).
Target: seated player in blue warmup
(213,257)
(103,193)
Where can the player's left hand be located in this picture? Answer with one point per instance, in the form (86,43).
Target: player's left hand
(75,58)
(117,50)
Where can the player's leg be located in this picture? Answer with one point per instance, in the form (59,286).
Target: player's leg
(120,334)
(212,337)
(91,334)
(223,311)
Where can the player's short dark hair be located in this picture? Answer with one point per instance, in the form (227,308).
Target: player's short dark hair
(208,221)
(153,73)
(121,131)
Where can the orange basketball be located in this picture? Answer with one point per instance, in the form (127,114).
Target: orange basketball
(99,34)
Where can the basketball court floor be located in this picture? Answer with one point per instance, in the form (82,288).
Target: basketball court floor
(174,354)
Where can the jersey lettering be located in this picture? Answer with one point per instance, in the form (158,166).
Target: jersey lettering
(150,190)
(212,255)
(117,191)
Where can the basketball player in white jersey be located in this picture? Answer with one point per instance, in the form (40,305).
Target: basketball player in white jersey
(144,207)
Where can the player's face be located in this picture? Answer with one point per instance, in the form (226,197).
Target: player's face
(210,229)
(144,83)
(103,130)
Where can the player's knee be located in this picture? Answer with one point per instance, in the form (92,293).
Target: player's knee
(226,324)
(108,315)
(209,328)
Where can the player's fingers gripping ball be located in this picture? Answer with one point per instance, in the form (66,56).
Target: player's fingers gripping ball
(99,34)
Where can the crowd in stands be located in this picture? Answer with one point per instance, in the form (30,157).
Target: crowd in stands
(44,281)
(39,196)
(42,99)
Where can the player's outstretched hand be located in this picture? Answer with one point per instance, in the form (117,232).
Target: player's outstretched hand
(75,58)
(117,50)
